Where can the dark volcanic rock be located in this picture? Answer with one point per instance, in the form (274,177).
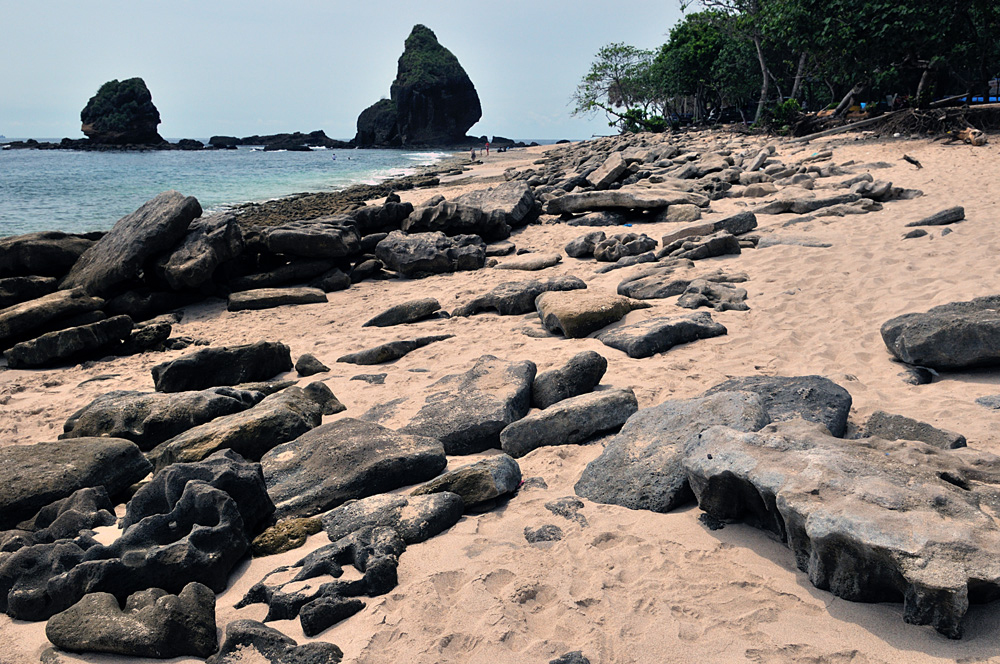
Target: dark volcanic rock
(45,253)
(641,468)
(575,657)
(514,200)
(619,246)
(308,365)
(407,312)
(477,483)
(869,520)
(813,398)
(467,411)
(576,314)
(942,218)
(67,346)
(284,536)
(898,427)
(250,639)
(32,476)
(457,219)
(153,624)
(14,290)
(721,297)
(696,248)
(657,282)
(19,321)
(333,237)
(379,125)
(391,351)
(120,256)
(546,533)
(268,298)
(415,518)
(149,418)
(121,113)
(569,421)
(430,253)
(209,242)
(389,216)
(952,336)
(346,459)
(67,518)
(584,245)
(658,335)
(518,297)
(226,365)
(580,375)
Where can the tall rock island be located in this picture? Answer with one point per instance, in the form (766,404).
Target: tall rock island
(432,101)
(122,113)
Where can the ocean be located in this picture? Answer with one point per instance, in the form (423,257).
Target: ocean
(76,191)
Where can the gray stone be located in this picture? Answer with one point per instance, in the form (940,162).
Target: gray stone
(579,376)
(599,218)
(570,421)
(295,271)
(812,398)
(721,297)
(641,469)
(518,297)
(477,483)
(209,242)
(430,253)
(69,345)
(898,427)
(153,624)
(224,365)
(680,213)
(568,507)
(530,262)
(546,533)
(309,365)
(121,254)
(584,245)
(656,282)
(332,280)
(627,261)
(19,321)
(504,248)
(452,218)
(805,205)
(991,401)
(249,639)
(329,237)
(658,335)
(415,518)
(407,312)
(608,172)
(268,298)
(915,233)
(44,253)
(576,314)
(625,244)
(514,200)
(345,460)
(942,218)
(467,411)
(14,290)
(621,199)
(791,240)
(391,351)
(952,336)
(696,248)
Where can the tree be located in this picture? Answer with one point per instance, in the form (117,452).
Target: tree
(620,83)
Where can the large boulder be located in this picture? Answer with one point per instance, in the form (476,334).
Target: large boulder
(952,336)
(658,335)
(14,290)
(415,518)
(379,125)
(64,519)
(44,253)
(120,256)
(430,253)
(344,460)
(121,112)
(477,483)
(333,237)
(410,311)
(254,641)
(209,242)
(225,365)
(18,322)
(580,375)
(513,298)
(467,411)
(66,346)
(514,200)
(577,313)
(452,218)
(268,298)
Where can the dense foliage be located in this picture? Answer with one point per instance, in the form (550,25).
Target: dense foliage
(754,56)
(425,63)
(121,106)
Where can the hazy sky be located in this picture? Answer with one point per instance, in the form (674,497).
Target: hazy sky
(254,67)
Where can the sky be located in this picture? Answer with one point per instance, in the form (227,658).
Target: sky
(257,67)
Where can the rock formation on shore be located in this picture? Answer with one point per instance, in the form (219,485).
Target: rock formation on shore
(432,101)
(122,112)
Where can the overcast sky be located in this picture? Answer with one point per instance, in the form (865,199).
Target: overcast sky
(254,67)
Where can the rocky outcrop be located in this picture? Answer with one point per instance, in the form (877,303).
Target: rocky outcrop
(430,253)
(45,253)
(658,335)
(121,113)
(952,336)
(453,218)
(249,639)
(226,365)
(21,321)
(432,101)
(518,297)
(580,375)
(209,242)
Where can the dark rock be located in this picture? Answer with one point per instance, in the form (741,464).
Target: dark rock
(813,398)
(576,314)
(477,483)
(467,411)
(65,519)
(641,468)
(699,247)
(284,536)
(430,253)
(915,233)
(308,365)
(806,205)
(575,657)
(721,297)
(209,242)
(371,379)
(19,321)
(379,125)
(268,298)
(942,218)
(952,336)
(120,256)
(513,200)
(343,460)
(294,271)
(546,533)
(391,351)
(503,248)
(143,304)
(991,401)
(898,427)
(407,312)
(333,280)
(580,375)
(249,638)
(530,262)
(67,346)
(145,337)
(325,612)
(372,219)
(600,218)
(277,419)
(584,245)
(656,282)
(568,508)
(518,297)
(121,113)
(658,335)
(33,476)
(627,261)
(225,365)
(14,290)
(370,241)
(44,253)
(153,624)
(367,269)
(332,237)
(149,418)
(624,244)
(917,376)
(738,224)
(457,219)
(621,200)
(415,518)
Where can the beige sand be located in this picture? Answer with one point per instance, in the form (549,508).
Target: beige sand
(631,586)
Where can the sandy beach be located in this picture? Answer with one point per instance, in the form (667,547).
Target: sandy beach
(622,586)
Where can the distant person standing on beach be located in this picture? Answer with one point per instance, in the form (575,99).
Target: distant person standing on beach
(487,148)
(473,154)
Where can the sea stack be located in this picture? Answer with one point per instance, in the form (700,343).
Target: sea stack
(122,113)
(432,101)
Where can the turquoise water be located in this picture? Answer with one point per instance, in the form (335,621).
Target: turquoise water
(84,191)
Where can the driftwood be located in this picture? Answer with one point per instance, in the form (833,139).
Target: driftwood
(845,128)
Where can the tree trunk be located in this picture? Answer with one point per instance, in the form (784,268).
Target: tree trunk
(845,103)
(799,75)
(766,82)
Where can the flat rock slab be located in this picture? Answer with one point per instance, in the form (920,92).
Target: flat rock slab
(268,298)
(514,200)
(570,421)
(14,290)
(477,483)
(32,476)
(622,199)
(332,237)
(812,398)
(658,335)
(575,314)
(657,281)
(345,460)
(391,351)
(45,253)
(415,518)
(518,297)
(154,623)
(952,336)
(120,255)
(66,346)
(407,312)
(899,427)
(942,218)
(641,469)
(744,222)
(209,242)
(580,375)
(224,365)
(530,262)
(791,240)
(452,218)
(467,411)
(17,322)
(869,520)
(698,247)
